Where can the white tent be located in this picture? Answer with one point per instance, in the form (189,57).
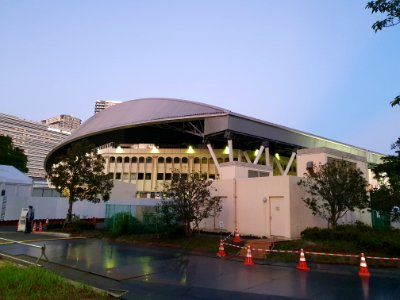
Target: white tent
(15,191)
(11,175)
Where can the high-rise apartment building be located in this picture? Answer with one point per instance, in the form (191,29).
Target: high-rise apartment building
(103,104)
(63,122)
(34,138)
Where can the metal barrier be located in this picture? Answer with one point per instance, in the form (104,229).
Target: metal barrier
(43,248)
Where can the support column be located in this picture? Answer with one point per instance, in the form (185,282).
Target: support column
(230,146)
(246,155)
(290,163)
(267,156)
(211,150)
(130,169)
(260,152)
(239,155)
(279,166)
(190,164)
(154,173)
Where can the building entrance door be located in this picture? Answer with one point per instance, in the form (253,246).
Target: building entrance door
(277,220)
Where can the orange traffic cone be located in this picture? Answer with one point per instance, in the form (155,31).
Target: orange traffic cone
(302,262)
(34,227)
(237,237)
(40,227)
(221,252)
(248,260)
(363,267)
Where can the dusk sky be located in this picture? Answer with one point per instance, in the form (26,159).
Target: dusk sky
(316,66)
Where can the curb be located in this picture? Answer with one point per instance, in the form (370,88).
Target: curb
(53,233)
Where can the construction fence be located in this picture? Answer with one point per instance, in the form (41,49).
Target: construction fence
(121,217)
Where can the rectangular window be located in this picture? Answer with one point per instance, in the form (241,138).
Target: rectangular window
(140,176)
(117,175)
(160,176)
(148,176)
(252,174)
(168,176)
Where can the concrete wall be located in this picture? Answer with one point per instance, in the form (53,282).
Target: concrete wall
(263,206)
(238,170)
(18,197)
(320,156)
(267,206)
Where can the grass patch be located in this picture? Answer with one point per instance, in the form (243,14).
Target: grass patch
(35,283)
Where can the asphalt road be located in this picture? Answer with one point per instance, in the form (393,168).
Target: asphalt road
(135,272)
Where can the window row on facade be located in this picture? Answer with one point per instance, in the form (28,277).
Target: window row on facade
(168,160)
(148,176)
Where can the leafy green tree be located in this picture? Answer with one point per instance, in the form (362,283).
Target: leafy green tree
(13,156)
(387,194)
(187,199)
(392,10)
(389,7)
(396,101)
(333,189)
(79,175)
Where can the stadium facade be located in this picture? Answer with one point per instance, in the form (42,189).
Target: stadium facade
(255,164)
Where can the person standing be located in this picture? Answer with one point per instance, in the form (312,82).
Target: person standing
(30,216)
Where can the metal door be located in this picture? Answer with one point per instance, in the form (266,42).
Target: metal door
(277,218)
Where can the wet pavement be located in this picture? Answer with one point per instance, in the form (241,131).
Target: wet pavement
(149,273)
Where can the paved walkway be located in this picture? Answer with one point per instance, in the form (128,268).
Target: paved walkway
(169,274)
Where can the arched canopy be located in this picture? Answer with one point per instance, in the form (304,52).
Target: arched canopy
(175,123)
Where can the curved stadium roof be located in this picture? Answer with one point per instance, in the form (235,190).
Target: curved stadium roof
(173,123)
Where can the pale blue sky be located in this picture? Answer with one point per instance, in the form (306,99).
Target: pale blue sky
(315,66)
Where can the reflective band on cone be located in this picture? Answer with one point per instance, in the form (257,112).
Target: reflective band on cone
(221,252)
(302,262)
(249,260)
(363,267)
(237,237)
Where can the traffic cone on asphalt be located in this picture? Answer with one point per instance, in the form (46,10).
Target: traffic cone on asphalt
(363,267)
(221,252)
(237,237)
(34,227)
(302,262)
(249,260)
(40,227)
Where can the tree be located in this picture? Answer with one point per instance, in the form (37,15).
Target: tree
(333,189)
(79,175)
(396,101)
(387,194)
(10,155)
(389,7)
(392,9)
(187,199)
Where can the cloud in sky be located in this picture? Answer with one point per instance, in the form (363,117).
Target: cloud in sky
(316,66)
